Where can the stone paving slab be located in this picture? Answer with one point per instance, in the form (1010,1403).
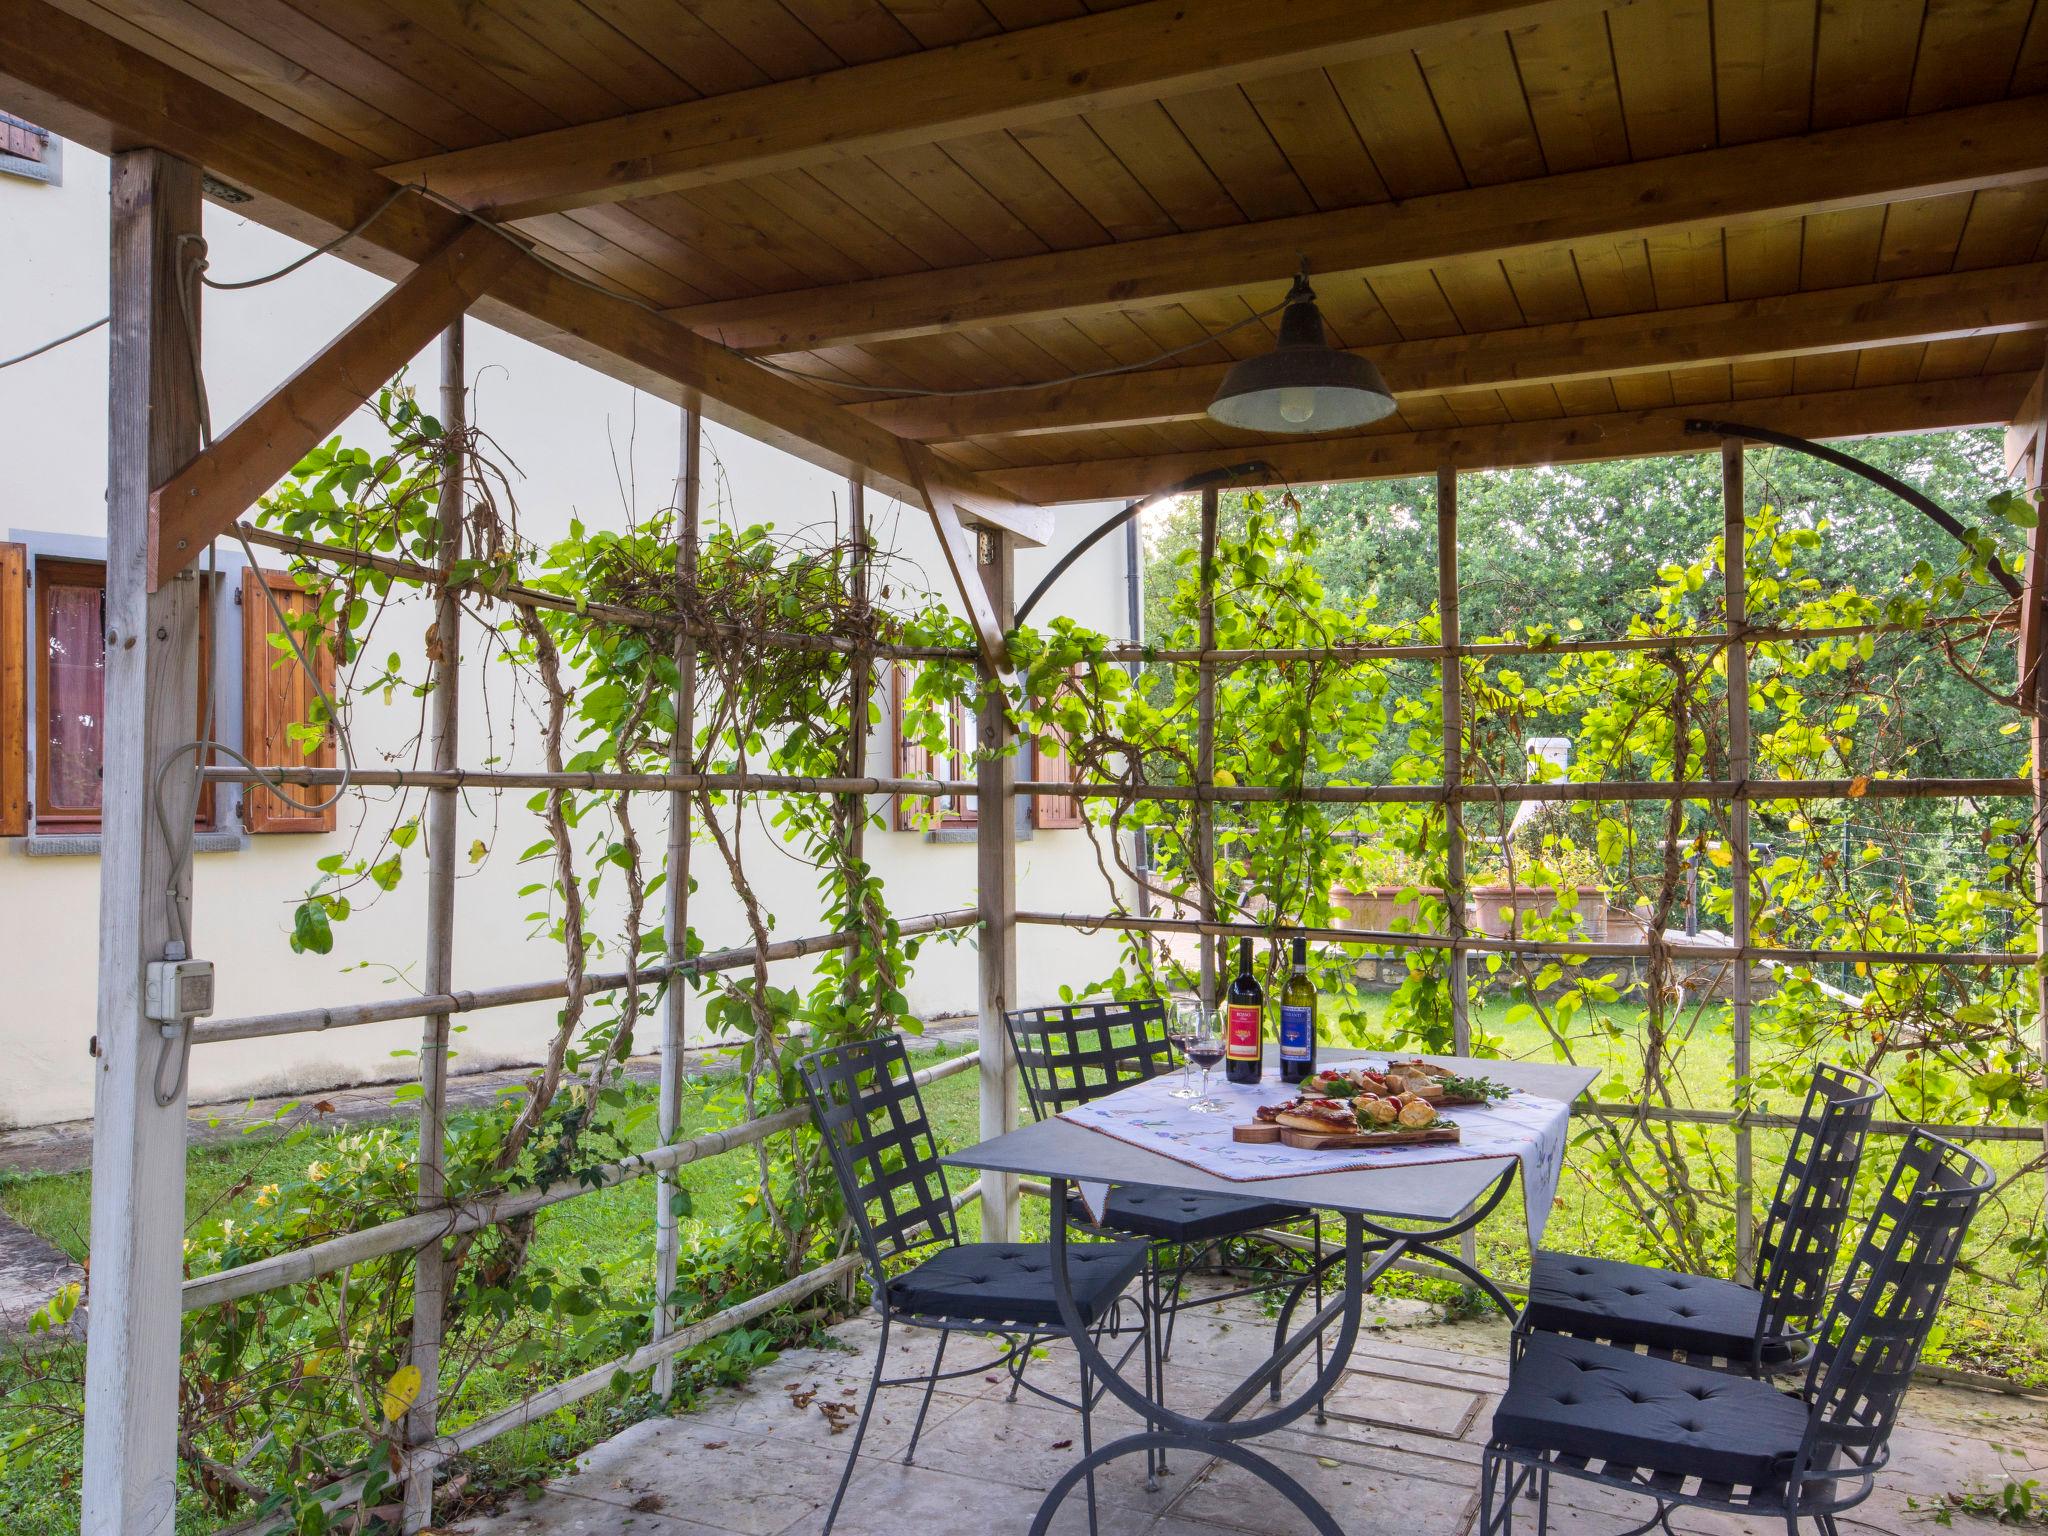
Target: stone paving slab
(1399,1456)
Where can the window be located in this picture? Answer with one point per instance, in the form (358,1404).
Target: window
(68,737)
(53,655)
(26,150)
(943,813)
(957,813)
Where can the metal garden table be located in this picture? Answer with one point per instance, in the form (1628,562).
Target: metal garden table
(1435,1202)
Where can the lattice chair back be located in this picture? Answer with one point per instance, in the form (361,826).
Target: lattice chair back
(1887,1302)
(1075,1052)
(867,1107)
(1802,1233)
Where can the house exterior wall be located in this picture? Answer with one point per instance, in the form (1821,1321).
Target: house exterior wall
(584,445)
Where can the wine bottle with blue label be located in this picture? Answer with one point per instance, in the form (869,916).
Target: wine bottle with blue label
(1298,1020)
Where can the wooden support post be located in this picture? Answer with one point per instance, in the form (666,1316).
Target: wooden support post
(1451,685)
(151,700)
(1736,586)
(860,690)
(996,896)
(1205,742)
(444,808)
(676,915)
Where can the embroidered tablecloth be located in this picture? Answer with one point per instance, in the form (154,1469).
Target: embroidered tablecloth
(1523,1126)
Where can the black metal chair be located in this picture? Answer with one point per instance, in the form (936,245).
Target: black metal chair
(1688,1436)
(1072,1053)
(1764,1327)
(866,1106)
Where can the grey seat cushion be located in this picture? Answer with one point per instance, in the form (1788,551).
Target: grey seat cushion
(1578,1398)
(1182,1216)
(1641,1305)
(1011,1283)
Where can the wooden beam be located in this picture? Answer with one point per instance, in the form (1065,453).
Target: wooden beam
(78,81)
(995,866)
(987,85)
(1977,401)
(1921,309)
(2026,449)
(151,683)
(1997,145)
(198,503)
(958,546)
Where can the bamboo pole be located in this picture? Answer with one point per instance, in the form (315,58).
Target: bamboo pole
(1205,743)
(1450,683)
(996,895)
(1368,938)
(612,613)
(349,1015)
(1735,585)
(430,1272)
(308,1263)
(676,911)
(1481,649)
(860,694)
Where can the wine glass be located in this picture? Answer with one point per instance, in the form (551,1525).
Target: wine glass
(1205,1050)
(1182,1028)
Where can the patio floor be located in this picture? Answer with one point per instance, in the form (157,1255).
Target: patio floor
(1400,1455)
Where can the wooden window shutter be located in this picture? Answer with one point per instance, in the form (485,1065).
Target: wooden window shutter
(13,690)
(276,695)
(912,761)
(1049,763)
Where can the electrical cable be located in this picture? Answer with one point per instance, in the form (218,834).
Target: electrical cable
(54,343)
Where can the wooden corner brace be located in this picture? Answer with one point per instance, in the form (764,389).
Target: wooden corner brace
(198,503)
(958,546)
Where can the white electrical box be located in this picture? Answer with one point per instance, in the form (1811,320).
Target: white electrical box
(178,990)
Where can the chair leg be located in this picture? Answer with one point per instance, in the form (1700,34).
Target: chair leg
(1019,1362)
(1149,1345)
(931,1383)
(859,1430)
(1496,1505)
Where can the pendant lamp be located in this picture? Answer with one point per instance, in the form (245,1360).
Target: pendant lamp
(1304,384)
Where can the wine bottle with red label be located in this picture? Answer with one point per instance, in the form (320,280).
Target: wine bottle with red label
(1298,1021)
(1244,1007)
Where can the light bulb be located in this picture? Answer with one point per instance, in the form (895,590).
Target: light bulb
(1297,405)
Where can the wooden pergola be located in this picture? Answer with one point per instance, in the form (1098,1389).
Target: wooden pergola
(990,256)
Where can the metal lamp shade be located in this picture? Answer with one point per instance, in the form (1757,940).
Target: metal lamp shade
(1303,384)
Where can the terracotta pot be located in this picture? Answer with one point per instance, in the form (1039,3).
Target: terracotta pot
(1381,909)
(1502,907)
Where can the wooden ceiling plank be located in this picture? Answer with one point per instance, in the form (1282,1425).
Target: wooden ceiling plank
(1763,259)
(1235,144)
(1389,104)
(1315,134)
(1880,366)
(935,179)
(2030,70)
(1157,153)
(2001,144)
(1763,68)
(1546,286)
(92,88)
(199,503)
(1663,57)
(489,39)
(1480,294)
(1020,183)
(1908,311)
(1567,73)
(769,36)
(864,184)
(431,64)
(1863,60)
(587,43)
(1478,94)
(939,23)
(1841,247)
(1616,275)
(1089,172)
(1921,237)
(1979,401)
(678,37)
(1689,266)
(1162,48)
(2005,224)
(1967,51)
(435,114)
(858,31)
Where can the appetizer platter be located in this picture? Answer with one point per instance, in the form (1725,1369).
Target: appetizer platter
(1412,1079)
(1346,1121)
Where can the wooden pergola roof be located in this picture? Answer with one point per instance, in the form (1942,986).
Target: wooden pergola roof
(1562,228)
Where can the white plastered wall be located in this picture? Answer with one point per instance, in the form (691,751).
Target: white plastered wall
(584,445)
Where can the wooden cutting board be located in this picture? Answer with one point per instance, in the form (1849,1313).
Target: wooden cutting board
(1338,1141)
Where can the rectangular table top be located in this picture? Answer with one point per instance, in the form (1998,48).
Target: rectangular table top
(1436,1192)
